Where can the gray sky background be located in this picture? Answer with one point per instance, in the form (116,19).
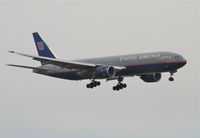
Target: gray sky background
(35,106)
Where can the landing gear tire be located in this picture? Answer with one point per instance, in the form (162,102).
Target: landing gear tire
(119,86)
(93,84)
(171,74)
(171,79)
(124,85)
(98,83)
(116,88)
(88,85)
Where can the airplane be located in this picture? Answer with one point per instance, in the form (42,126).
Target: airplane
(147,66)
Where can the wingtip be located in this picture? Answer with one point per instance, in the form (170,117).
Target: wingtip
(8,64)
(11,51)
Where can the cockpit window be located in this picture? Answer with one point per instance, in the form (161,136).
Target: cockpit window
(176,57)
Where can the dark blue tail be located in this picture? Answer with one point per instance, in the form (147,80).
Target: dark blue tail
(41,46)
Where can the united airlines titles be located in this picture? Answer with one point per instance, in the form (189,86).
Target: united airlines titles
(134,57)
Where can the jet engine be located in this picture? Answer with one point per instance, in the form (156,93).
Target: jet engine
(155,77)
(105,72)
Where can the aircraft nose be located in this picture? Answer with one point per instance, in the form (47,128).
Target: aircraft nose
(183,60)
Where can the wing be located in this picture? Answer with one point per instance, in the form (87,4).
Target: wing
(27,67)
(64,63)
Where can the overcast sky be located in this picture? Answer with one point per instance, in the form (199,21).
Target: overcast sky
(36,106)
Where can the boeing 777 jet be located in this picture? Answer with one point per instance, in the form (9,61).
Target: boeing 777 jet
(148,66)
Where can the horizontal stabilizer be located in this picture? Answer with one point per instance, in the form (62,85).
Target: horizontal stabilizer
(27,67)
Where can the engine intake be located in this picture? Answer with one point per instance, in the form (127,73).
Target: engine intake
(155,77)
(105,72)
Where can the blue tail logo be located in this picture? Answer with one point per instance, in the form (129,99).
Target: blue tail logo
(40,45)
(42,48)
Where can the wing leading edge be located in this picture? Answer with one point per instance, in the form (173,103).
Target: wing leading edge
(64,63)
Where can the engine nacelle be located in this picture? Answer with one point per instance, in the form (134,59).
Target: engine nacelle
(105,72)
(155,77)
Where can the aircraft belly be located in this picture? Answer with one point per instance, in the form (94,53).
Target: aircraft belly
(130,70)
(148,68)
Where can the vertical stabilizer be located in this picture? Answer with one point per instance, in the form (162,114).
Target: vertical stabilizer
(42,48)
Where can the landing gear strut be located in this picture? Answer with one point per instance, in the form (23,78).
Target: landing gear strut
(93,84)
(171,78)
(120,85)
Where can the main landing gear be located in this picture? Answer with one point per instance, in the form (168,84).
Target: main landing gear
(171,78)
(93,84)
(120,85)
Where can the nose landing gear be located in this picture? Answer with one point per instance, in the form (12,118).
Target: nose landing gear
(171,78)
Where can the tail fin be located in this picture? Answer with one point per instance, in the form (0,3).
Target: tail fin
(41,46)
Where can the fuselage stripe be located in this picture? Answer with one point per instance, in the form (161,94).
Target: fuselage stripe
(154,63)
(124,66)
